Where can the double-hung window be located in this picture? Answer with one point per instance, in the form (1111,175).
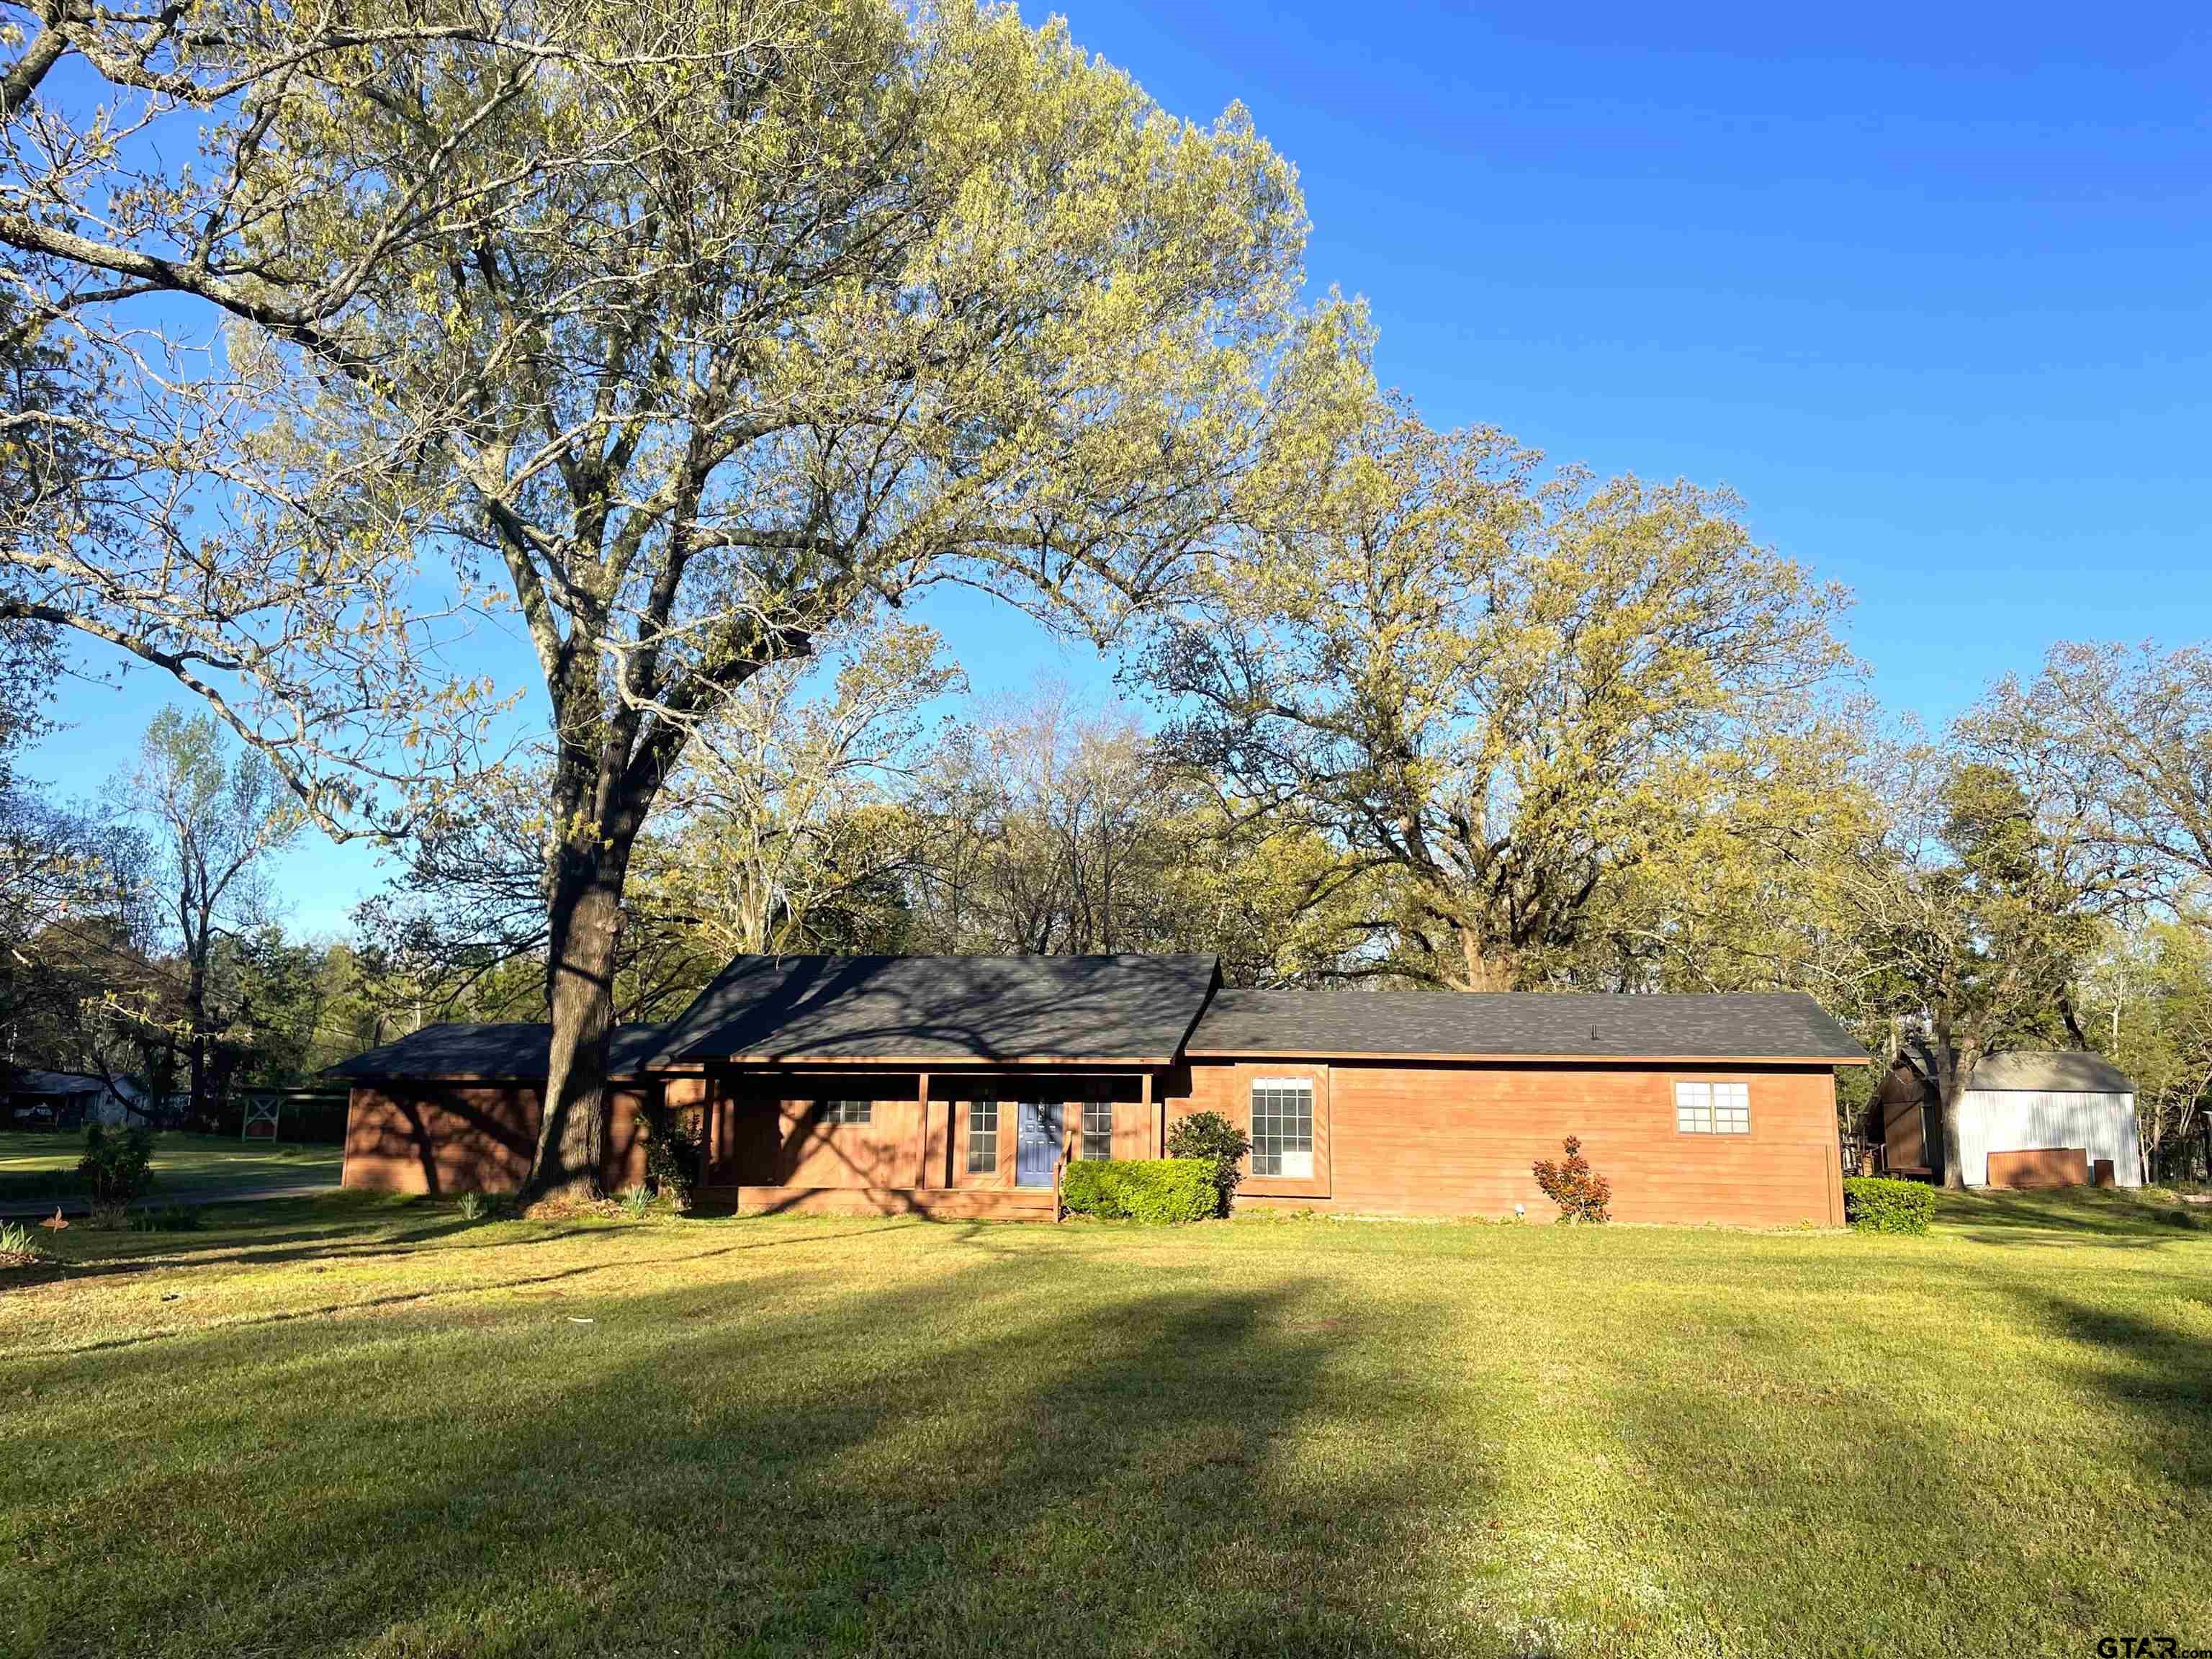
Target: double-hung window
(1282,1128)
(848,1111)
(1098,1128)
(1712,1108)
(983,1136)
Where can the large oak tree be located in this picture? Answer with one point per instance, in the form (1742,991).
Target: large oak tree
(680,336)
(1498,692)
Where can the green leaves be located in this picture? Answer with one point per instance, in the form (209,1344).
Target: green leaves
(1506,691)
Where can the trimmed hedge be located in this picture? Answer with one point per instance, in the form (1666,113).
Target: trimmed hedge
(1163,1191)
(1874,1204)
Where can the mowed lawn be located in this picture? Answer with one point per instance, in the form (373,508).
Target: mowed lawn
(356,1424)
(36,1166)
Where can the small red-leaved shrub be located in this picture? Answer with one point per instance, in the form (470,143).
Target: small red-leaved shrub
(1581,1193)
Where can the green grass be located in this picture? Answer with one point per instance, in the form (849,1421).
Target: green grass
(357,1424)
(36,1167)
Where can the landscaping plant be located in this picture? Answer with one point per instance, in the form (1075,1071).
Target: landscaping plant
(1160,1190)
(19,1245)
(117,1168)
(1874,1203)
(1212,1137)
(672,1157)
(1581,1193)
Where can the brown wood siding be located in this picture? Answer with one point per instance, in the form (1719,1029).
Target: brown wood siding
(435,1136)
(766,1133)
(1899,1103)
(1459,1139)
(772,1131)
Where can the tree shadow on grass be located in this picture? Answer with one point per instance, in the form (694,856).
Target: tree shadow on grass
(967,1462)
(460,1291)
(1997,1217)
(311,1230)
(316,1234)
(1818,1504)
(2158,1373)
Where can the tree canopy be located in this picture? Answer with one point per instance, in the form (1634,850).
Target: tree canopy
(1500,690)
(523,430)
(684,338)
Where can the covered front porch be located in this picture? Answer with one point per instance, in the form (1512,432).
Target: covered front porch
(963,1141)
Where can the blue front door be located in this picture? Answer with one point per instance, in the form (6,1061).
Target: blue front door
(1037,1148)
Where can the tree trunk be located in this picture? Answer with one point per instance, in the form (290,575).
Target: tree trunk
(1486,969)
(196,1049)
(195,1033)
(586,918)
(1954,1064)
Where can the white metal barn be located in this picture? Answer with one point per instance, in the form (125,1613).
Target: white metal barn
(2045,1100)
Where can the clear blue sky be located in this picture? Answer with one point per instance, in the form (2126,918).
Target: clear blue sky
(1929,286)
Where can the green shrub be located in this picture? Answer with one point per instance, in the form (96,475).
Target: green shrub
(1213,1140)
(1874,1204)
(117,1168)
(1162,1191)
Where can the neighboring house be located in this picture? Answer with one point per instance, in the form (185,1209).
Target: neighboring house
(67,1100)
(957,1086)
(2042,1117)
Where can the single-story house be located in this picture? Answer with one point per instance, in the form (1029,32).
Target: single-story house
(957,1086)
(2030,1117)
(67,1100)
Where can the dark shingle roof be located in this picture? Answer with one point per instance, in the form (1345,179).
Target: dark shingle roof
(2062,1071)
(1128,1009)
(1727,1026)
(1122,1008)
(514,1049)
(27,1081)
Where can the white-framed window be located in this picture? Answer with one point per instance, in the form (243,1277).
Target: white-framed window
(1098,1128)
(1731,1109)
(1282,1127)
(848,1111)
(983,1136)
(1712,1108)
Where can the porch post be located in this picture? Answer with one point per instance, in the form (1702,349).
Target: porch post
(1156,1122)
(921,1133)
(710,1109)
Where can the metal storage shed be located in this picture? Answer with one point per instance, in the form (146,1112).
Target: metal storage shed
(2045,1100)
